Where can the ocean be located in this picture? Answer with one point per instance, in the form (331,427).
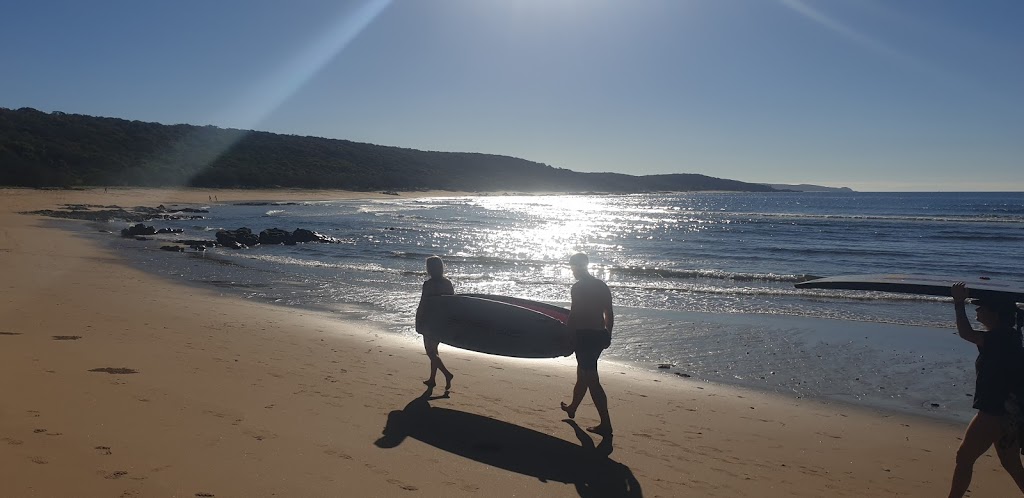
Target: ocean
(702,282)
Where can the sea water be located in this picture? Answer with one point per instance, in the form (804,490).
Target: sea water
(702,282)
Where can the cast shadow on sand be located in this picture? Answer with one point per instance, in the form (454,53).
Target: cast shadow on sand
(512,447)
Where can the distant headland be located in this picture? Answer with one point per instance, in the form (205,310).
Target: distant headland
(803,187)
(39,149)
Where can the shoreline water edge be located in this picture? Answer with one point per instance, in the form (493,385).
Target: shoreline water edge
(764,335)
(733,347)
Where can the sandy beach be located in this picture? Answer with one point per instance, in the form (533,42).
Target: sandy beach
(117,383)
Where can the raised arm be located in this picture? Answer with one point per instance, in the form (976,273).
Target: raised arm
(963,325)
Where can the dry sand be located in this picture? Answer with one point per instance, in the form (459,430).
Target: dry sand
(224,397)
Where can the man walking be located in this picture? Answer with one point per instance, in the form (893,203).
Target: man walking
(590,323)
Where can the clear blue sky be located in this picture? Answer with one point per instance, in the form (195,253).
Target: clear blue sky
(871,94)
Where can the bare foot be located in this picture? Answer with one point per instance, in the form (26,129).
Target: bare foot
(603,430)
(429,383)
(448,381)
(571,412)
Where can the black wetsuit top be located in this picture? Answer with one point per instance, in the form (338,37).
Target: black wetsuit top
(999,369)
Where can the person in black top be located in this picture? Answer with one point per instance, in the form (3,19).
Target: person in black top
(997,390)
(437,285)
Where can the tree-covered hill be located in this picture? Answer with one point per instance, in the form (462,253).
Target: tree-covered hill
(58,149)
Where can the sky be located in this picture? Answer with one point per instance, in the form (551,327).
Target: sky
(876,95)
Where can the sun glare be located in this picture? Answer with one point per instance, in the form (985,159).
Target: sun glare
(255,104)
(552,227)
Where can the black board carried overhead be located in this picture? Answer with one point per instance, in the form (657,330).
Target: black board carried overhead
(978,287)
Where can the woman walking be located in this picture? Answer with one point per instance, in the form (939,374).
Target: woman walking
(436,285)
(997,391)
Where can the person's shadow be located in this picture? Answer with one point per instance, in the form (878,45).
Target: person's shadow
(512,447)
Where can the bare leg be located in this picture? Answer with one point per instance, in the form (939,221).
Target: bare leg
(435,365)
(447,374)
(983,430)
(1009,457)
(578,392)
(430,346)
(600,399)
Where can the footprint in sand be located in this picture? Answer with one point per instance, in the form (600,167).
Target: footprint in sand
(66,337)
(104,450)
(204,495)
(10,333)
(117,474)
(338,454)
(402,485)
(113,370)
(259,435)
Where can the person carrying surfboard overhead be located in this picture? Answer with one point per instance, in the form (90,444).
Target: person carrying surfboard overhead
(436,285)
(590,320)
(997,391)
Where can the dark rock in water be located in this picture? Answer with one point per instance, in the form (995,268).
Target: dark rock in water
(264,203)
(175,217)
(198,245)
(161,209)
(138,229)
(276,236)
(95,212)
(681,374)
(243,236)
(665,365)
(148,210)
(172,248)
(303,235)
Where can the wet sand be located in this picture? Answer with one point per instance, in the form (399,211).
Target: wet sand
(114,382)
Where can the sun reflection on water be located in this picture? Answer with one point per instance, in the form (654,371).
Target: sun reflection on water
(551,227)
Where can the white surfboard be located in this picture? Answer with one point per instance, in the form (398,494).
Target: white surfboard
(495,327)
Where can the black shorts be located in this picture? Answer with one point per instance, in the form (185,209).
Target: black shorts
(589,344)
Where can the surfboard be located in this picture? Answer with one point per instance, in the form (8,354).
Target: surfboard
(977,287)
(557,312)
(496,327)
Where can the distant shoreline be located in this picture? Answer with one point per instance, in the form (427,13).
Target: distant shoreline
(61,149)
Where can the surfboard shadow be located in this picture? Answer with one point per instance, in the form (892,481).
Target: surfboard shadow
(513,448)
